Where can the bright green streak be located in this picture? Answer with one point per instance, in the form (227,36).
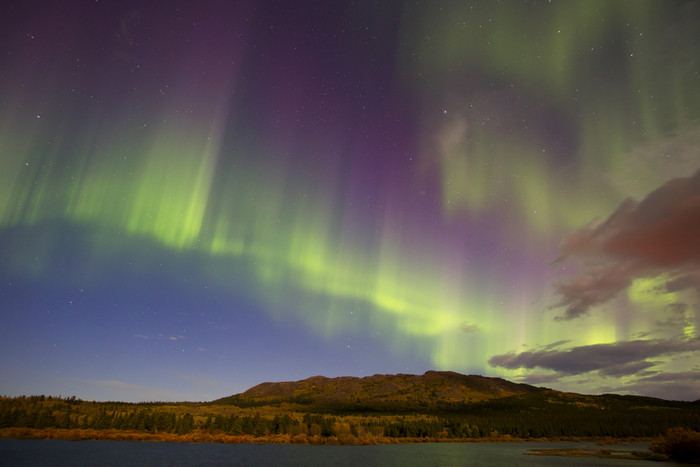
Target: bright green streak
(164,188)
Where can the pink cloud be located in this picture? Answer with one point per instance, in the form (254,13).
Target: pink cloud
(660,234)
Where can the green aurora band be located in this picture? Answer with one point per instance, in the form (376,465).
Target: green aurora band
(600,67)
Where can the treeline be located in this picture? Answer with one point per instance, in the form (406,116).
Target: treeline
(39,414)
(503,418)
(552,414)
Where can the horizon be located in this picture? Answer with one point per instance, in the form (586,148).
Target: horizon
(198,197)
(64,397)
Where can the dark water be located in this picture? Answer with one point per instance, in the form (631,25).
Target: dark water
(121,453)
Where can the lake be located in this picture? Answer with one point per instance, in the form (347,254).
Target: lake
(119,453)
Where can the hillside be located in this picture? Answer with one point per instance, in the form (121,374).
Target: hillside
(430,391)
(381,408)
(441,392)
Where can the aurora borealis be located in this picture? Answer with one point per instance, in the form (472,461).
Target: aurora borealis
(196,197)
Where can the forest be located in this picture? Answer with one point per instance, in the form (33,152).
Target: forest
(542,415)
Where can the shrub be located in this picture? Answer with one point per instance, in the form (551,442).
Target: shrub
(680,444)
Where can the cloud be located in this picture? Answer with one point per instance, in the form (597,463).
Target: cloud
(555,344)
(625,369)
(597,285)
(683,282)
(673,377)
(658,235)
(140,336)
(678,318)
(616,359)
(668,385)
(468,328)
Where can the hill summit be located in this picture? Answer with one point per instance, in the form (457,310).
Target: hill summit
(431,390)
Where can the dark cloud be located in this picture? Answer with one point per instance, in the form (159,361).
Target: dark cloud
(683,282)
(671,386)
(672,377)
(657,235)
(625,369)
(677,318)
(596,285)
(555,344)
(617,359)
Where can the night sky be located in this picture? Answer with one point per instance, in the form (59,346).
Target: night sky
(196,197)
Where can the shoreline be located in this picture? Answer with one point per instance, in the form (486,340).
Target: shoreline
(203,436)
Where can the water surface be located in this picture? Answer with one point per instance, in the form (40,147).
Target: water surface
(120,453)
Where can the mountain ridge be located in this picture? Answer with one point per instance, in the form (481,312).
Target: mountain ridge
(431,392)
(432,389)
